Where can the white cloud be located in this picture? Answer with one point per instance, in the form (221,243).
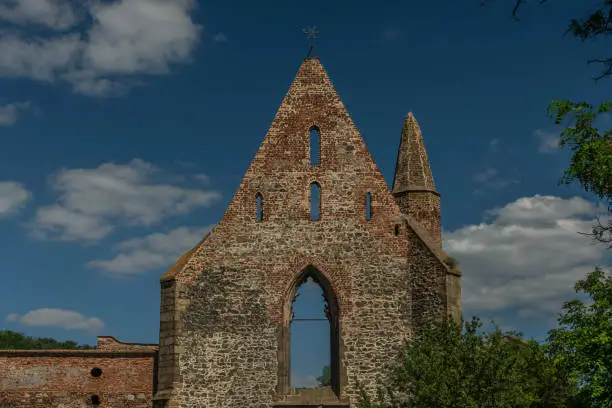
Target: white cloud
(140,35)
(66,319)
(91,200)
(220,37)
(69,224)
(126,38)
(527,257)
(549,141)
(153,251)
(12,317)
(42,59)
(485,175)
(10,113)
(56,14)
(202,178)
(12,197)
(489,179)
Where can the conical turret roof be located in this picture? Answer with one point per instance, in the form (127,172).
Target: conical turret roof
(412,170)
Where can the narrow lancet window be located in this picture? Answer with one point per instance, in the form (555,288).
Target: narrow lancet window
(314,146)
(368,206)
(259,207)
(315,202)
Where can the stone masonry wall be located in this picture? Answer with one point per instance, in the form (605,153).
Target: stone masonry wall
(63,379)
(235,286)
(428,283)
(424,208)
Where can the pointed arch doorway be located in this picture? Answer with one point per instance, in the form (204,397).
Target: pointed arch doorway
(311,275)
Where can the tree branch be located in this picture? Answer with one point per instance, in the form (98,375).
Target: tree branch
(607,70)
(601,233)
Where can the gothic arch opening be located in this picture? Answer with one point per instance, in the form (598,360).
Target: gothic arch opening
(332,379)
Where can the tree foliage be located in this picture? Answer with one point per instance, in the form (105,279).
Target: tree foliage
(582,345)
(10,340)
(325,379)
(446,366)
(591,163)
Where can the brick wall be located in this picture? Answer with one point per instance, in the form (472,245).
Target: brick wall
(64,379)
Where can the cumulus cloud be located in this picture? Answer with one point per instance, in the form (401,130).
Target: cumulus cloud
(12,197)
(41,59)
(91,200)
(122,40)
(56,14)
(527,256)
(9,113)
(549,141)
(154,251)
(66,319)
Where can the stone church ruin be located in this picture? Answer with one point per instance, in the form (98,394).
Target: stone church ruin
(312,204)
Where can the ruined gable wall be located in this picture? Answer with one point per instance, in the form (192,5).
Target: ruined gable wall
(62,378)
(232,291)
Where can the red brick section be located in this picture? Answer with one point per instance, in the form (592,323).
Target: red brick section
(63,378)
(226,304)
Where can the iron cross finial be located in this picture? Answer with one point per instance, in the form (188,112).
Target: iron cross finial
(311,32)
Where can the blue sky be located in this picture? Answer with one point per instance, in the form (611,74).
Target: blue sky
(126,127)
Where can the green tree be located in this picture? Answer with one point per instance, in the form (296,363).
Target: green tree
(591,162)
(446,366)
(582,345)
(325,379)
(10,340)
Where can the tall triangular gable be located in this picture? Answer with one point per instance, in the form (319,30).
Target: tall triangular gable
(281,168)
(312,100)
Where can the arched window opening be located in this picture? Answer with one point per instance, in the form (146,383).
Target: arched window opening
(310,346)
(309,338)
(368,206)
(259,207)
(315,143)
(315,202)
(396,230)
